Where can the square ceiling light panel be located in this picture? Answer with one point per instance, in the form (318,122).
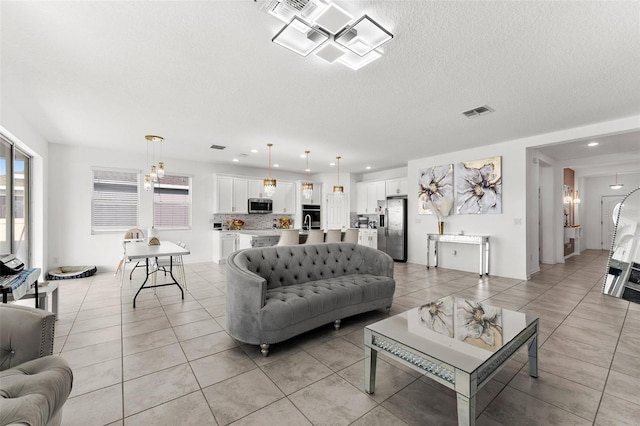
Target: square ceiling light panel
(363,36)
(333,18)
(300,37)
(330,52)
(355,62)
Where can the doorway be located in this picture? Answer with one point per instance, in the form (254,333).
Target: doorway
(607,203)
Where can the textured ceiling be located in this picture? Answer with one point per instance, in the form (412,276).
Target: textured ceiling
(201,73)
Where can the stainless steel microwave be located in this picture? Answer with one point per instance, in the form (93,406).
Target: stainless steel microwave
(260,205)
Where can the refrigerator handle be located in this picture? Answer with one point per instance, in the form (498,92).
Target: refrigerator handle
(386,222)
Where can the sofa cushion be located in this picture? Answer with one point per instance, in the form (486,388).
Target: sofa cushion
(290,304)
(34,392)
(289,265)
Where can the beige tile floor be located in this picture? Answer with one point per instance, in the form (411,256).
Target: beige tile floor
(170,361)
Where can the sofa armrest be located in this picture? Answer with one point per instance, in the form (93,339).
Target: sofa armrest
(25,334)
(376,262)
(246,293)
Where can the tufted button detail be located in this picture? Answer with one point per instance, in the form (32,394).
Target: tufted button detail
(13,352)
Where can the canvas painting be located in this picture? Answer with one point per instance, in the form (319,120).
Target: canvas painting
(435,190)
(479,186)
(438,316)
(479,324)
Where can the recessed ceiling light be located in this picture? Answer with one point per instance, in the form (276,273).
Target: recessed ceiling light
(254,150)
(276,165)
(303,155)
(368,167)
(593,144)
(307,170)
(332,164)
(235,160)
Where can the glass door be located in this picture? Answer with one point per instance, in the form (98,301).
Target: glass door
(21,184)
(15,168)
(6,237)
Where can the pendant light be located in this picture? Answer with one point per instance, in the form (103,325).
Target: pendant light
(269,183)
(156,172)
(338,189)
(616,185)
(307,187)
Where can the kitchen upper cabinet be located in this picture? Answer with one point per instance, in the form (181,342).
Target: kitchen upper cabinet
(368,195)
(230,194)
(256,188)
(396,187)
(284,199)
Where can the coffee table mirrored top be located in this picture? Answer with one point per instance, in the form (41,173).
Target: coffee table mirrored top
(457,342)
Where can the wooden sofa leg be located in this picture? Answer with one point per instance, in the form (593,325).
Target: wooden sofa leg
(388,309)
(336,324)
(264,349)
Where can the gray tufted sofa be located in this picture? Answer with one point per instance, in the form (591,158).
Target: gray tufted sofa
(275,293)
(34,384)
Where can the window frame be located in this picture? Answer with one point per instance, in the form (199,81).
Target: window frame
(115,228)
(188,203)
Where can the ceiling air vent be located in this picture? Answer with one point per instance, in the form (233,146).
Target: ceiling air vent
(478,111)
(285,10)
(220,147)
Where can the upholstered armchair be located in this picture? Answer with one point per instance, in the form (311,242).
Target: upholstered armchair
(34,384)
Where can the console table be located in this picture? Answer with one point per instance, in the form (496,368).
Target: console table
(479,240)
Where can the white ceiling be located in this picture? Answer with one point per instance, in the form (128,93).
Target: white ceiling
(201,73)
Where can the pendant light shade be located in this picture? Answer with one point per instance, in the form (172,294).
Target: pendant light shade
(269,183)
(307,187)
(338,189)
(616,185)
(155,172)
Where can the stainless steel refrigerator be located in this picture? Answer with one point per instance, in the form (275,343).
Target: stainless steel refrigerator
(392,228)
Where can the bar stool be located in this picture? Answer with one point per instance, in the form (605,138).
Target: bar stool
(333,236)
(315,236)
(351,236)
(289,237)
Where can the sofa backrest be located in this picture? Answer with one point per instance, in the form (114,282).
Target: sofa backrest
(288,265)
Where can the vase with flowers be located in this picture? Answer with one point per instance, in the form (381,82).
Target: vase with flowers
(442,208)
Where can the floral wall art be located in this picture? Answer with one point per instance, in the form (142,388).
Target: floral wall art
(435,190)
(479,186)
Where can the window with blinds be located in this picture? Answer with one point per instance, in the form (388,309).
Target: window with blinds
(172,203)
(114,201)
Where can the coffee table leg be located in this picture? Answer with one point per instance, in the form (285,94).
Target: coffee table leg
(466,410)
(370,358)
(533,356)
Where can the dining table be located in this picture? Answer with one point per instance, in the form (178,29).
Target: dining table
(141,250)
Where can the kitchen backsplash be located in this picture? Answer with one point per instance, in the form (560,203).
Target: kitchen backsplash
(253,221)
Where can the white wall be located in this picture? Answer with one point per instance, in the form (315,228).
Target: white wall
(590,197)
(69,218)
(507,230)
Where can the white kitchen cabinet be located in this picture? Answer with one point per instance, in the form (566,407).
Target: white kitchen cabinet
(230,194)
(369,193)
(284,199)
(244,241)
(256,188)
(396,187)
(224,243)
(316,195)
(368,237)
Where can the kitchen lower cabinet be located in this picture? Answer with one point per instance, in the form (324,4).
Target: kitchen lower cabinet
(368,237)
(224,243)
(244,241)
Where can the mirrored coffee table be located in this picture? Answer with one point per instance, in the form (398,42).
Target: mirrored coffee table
(459,343)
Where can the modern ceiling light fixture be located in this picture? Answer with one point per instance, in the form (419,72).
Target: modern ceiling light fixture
(616,185)
(338,189)
(307,187)
(313,23)
(155,172)
(269,183)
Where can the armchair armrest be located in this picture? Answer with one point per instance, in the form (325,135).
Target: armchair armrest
(25,334)
(245,296)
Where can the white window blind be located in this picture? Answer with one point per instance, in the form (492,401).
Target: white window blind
(172,202)
(114,202)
